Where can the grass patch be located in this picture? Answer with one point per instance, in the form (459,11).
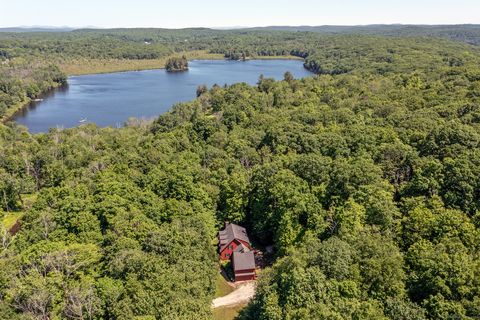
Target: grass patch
(10,218)
(222,288)
(227,313)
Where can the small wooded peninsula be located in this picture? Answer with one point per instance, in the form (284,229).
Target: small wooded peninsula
(177,64)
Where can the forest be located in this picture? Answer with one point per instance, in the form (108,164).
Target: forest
(469,33)
(365,178)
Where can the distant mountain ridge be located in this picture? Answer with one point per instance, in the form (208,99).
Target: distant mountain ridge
(37,29)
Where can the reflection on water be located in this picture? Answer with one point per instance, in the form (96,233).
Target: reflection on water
(35,103)
(111,99)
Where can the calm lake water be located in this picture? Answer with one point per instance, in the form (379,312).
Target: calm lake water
(110,99)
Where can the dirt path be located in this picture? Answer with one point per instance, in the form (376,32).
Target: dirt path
(241,295)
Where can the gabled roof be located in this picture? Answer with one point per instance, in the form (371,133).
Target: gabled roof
(230,233)
(242,248)
(243,260)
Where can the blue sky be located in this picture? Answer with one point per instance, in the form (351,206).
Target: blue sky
(216,13)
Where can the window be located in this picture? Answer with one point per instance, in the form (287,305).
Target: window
(230,247)
(227,255)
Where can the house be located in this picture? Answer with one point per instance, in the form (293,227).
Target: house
(234,245)
(230,238)
(244,265)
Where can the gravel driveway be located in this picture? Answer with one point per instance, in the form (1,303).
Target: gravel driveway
(241,295)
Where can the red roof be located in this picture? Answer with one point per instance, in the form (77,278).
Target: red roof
(243,261)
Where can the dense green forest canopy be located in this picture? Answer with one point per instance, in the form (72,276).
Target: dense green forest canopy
(469,33)
(365,178)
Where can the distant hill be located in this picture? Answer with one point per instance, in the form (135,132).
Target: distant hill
(37,29)
(469,33)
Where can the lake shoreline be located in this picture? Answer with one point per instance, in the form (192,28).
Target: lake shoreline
(159,64)
(112,98)
(15,109)
(101,66)
(196,56)
(12,111)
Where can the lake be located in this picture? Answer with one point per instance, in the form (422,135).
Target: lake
(110,99)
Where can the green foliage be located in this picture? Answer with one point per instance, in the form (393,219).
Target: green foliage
(176,64)
(365,178)
(337,279)
(21,80)
(107,243)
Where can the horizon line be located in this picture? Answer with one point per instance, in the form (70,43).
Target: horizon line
(236,27)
